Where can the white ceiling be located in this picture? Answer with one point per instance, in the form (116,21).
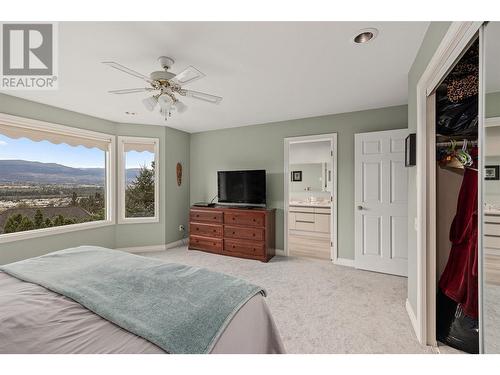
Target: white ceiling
(265,72)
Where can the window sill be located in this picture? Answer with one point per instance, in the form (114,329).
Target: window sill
(139,220)
(19,236)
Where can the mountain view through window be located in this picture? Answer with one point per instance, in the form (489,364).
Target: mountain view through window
(44,185)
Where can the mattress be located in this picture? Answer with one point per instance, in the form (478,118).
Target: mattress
(36,320)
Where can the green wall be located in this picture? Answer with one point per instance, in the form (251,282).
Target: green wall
(261,147)
(492,104)
(432,39)
(174,200)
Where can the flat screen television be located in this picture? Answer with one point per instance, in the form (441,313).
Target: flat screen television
(242,187)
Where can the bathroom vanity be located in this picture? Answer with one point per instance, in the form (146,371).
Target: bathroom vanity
(309,226)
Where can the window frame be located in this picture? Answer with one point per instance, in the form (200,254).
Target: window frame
(109,181)
(122,140)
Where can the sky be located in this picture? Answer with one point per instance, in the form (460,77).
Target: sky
(76,157)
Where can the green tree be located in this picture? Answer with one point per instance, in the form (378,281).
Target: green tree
(140,194)
(12,223)
(25,224)
(38,219)
(58,221)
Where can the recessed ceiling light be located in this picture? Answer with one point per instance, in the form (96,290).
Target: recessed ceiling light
(365,36)
(130,113)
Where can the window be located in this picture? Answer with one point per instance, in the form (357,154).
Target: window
(138,179)
(52,176)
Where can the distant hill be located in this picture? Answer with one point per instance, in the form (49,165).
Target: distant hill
(22,171)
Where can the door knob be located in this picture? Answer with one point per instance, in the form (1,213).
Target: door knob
(360,208)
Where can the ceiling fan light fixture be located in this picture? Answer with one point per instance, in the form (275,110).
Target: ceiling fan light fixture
(365,36)
(150,103)
(180,106)
(165,85)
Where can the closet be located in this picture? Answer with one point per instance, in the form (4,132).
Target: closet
(456,183)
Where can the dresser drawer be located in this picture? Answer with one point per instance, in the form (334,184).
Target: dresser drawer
(244,248)
(213,245)
(209,230)
(246,233)
(208,216)
(256,219)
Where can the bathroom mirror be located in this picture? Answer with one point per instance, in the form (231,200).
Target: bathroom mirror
(313,177)
(491,192)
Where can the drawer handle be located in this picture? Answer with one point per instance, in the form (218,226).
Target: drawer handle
(253,219)
(304,221)
(234,247)
(215,230)
(234,232)
(197,215)
(197,228)
(233,218)
(253,234)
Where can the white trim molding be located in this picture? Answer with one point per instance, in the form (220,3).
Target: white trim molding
(142,249)
(280,252)
(411,315)
(457,38)
(36,233)
(346,262)
(492,122)
(153,248)
(71,133)
(155,143)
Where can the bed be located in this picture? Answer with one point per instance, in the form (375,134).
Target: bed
(36,319)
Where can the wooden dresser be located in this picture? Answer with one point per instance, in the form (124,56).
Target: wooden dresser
(238,232)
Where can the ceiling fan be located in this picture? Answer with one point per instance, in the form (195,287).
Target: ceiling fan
(164,85)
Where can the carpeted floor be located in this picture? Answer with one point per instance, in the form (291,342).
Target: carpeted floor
(320,307)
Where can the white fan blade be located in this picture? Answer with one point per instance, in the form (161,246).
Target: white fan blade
(202,96)
(130,91)
(124,69)
(188,75)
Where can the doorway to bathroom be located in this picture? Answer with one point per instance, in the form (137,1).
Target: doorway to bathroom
(310,196)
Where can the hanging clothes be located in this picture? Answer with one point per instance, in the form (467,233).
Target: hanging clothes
(459,280)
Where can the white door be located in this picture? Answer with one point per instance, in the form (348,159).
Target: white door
(381,202)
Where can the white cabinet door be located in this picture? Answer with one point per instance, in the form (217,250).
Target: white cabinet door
(381,202)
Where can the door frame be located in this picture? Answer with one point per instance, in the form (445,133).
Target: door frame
(456,39)
(332,137)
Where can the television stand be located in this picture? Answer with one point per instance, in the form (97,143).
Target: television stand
(233,231)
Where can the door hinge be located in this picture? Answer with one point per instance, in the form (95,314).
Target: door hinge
(331,152)
(331,198)
(331,244)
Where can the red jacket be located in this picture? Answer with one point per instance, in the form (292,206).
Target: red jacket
(459,280)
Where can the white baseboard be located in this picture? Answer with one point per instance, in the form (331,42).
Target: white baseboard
(179,243)
(412,316)
(344,262)
(280,252)
(145,249)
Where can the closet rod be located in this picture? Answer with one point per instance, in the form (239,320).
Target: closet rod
(457,143)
